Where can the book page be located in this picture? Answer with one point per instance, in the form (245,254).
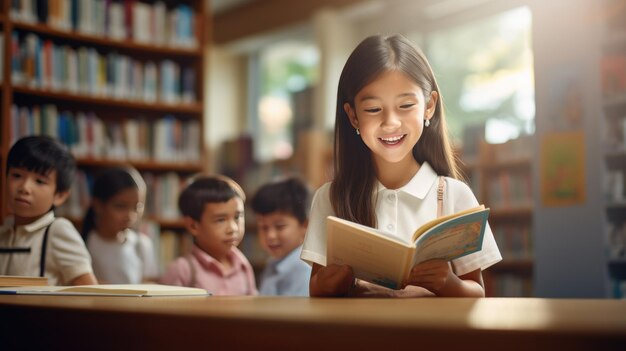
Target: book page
(453,239)
(373,231)
(131,289)
(425,227)
(372,258)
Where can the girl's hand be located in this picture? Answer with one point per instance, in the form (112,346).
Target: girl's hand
(412,291)
(432,275)
(332,280)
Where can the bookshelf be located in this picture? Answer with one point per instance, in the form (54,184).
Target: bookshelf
(613,79)
(119,82)
(500,176)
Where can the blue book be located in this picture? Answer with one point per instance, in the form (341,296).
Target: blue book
(184,22)
(62,131)
(74,11)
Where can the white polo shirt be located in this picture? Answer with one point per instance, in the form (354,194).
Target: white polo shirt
(66,255)
(130,261)
(400,212)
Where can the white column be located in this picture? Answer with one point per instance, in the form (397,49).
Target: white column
(336,39)
(225,96)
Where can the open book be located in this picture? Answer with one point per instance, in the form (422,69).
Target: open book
(107,290)
(384,259)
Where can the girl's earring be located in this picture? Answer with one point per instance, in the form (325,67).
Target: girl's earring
(358,132)
(427,123)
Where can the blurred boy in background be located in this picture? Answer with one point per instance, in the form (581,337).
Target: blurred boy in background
(213,211)
(281,210)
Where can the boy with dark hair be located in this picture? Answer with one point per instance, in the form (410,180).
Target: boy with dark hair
(281,210)
(213,212)
(33,242)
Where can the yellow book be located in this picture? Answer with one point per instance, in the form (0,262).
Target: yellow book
(384,259)
(20,280)
(141,290)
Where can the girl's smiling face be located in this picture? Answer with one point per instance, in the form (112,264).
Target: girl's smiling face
(389,113)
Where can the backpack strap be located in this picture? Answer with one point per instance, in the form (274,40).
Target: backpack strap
(44,246)
(27,250)
(440,189)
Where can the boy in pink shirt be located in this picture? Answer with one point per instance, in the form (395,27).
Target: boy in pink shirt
(212,208)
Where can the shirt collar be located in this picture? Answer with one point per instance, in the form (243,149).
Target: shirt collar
(207,260)
(42,222)
(420,184)
(285,263)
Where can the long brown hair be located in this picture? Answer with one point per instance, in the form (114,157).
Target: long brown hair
(355,176)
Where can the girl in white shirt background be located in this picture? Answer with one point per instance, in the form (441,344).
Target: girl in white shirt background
(391,146)
(120,255)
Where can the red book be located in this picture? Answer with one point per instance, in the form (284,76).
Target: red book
(47,63)
(128,17)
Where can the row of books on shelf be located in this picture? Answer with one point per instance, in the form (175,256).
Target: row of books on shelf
(42,64)
(514,241)
(236,156)
(509,285)
(615,141)
(613,71)
(162,194)
(615,186)
(520,148)
(617,240)
(161,202)
(509,189)
(167,139)
(153,24)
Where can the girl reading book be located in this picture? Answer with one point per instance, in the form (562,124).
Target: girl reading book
(394,170)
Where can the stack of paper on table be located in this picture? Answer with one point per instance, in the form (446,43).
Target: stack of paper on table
(20,280)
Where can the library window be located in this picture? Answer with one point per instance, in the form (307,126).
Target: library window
(280,73)
(485,71)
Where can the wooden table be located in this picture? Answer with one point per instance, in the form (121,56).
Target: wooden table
(259,323)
